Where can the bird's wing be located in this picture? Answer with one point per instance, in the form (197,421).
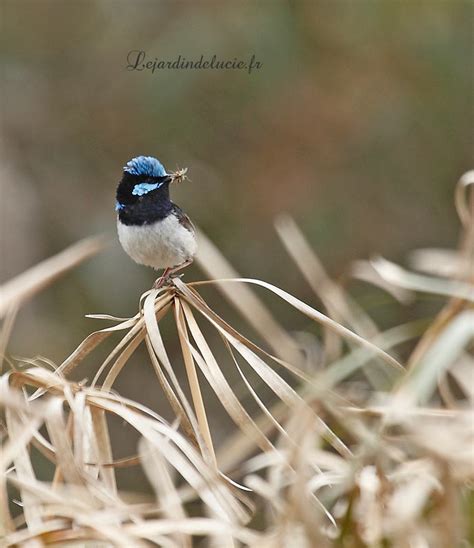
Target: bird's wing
(186,222)
(183,219)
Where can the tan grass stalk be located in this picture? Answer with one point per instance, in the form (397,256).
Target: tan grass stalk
(214,264)
(194,386)
(16,291)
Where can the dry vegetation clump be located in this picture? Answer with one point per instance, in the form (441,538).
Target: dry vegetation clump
(356,446)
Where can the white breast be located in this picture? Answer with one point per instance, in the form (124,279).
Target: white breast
(163,244)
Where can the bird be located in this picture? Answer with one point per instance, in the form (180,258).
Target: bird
(153,230)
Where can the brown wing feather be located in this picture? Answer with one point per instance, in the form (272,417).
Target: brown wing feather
(186,222)
(183,219)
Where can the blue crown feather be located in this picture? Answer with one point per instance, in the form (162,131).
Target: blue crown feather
(145,165)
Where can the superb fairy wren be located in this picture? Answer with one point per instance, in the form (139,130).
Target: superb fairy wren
(151,228)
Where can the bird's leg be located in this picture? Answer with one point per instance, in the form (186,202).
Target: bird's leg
(170,272)
(174,270)
(162,279)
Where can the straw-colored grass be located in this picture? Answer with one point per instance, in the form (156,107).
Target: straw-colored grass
(357,446)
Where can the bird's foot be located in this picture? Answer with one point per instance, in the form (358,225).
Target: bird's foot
(165,282)
(162,280)
(169,274)
(158,283)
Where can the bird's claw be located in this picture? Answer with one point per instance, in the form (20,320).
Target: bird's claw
(166,281)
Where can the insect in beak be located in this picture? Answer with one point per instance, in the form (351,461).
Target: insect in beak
(179,175)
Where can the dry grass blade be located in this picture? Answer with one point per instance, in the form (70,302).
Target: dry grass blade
(60,439)
(92,341)
(15,448)
(186,417)
(168,497)
(214,375)
(16,291)
(197,527)
(321,318)
(212,262)
(396,275)
(339,304)
(102,449)
(130,343)
(266,412)
(365,271)
(420,381)
(5,332)
(237,448)
(358,358)
(89,495)
(277,384)
(438,262)
(25,471)
(195,299)
(120,362)
(194,386)
(173,391)
(464,200)
(464,208)
(183,457)
(317,278)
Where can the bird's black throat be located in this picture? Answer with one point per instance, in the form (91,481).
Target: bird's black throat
(147,208)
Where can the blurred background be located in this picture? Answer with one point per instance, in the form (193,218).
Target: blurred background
(358,124)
